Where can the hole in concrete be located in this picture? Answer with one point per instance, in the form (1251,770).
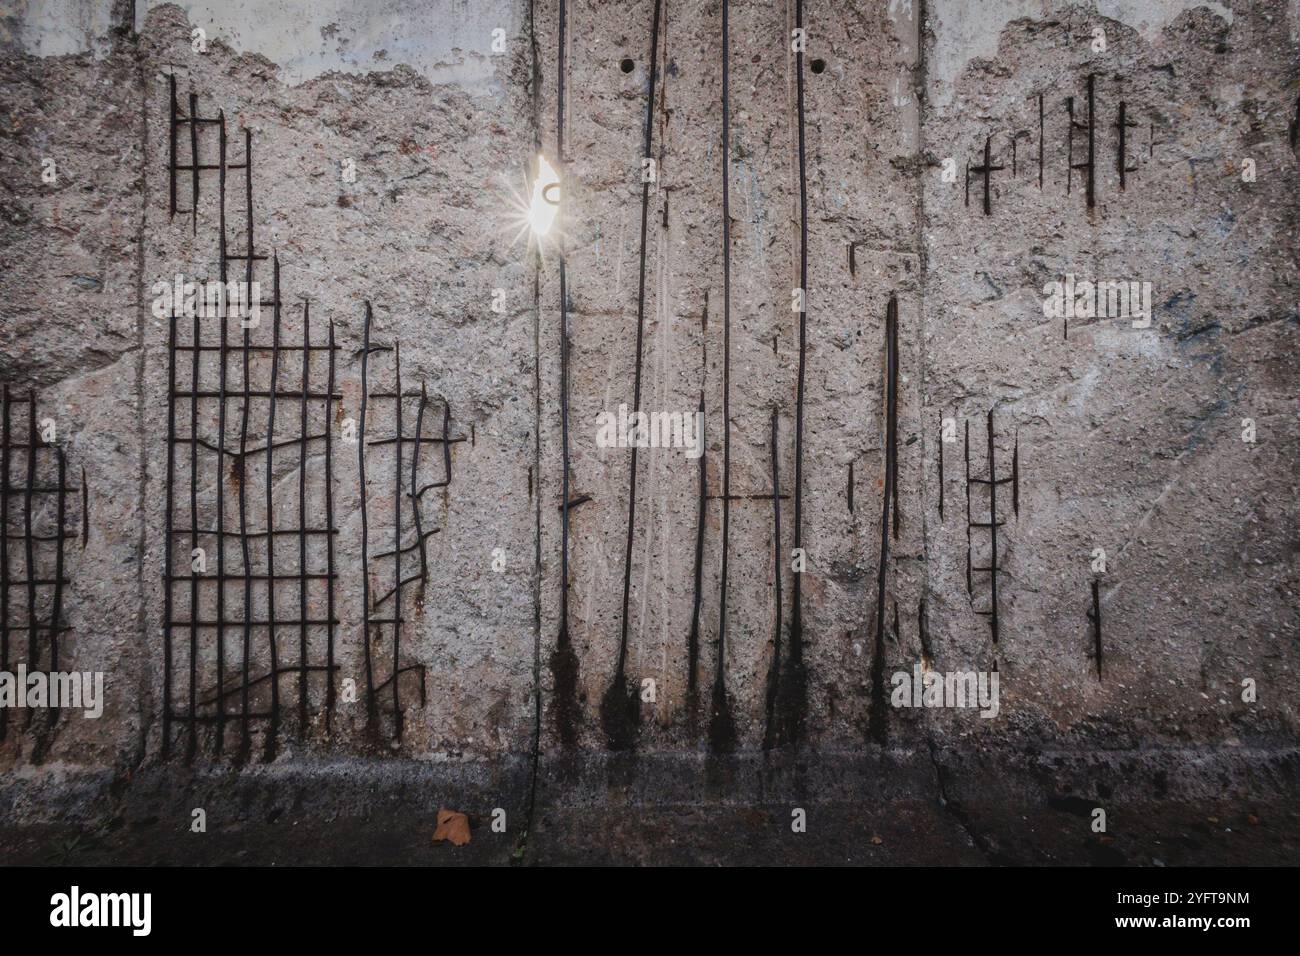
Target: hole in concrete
(627,66)
(819,65)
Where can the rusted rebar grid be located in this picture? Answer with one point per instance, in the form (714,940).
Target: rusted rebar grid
(208,689)
(1089,164)
(214,463)
(39,547)
(195,166)
(992,482)
(383,626)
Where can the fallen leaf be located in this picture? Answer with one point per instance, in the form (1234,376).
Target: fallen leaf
(1253,820)
(452,826)
(876,841)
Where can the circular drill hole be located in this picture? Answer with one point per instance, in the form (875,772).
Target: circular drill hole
(818,65)
(627,66)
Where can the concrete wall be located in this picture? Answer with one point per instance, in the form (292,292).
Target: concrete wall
(1126,439)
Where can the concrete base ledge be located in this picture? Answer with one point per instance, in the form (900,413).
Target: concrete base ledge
(892,807)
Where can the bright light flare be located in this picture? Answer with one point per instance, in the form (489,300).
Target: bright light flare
(545,205)
(532,209)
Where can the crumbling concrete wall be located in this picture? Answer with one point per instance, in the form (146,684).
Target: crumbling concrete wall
(390,167)
(1131,439)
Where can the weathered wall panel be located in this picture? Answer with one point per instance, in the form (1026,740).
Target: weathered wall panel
(393,148)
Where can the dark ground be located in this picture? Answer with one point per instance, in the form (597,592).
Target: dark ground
(1164,807)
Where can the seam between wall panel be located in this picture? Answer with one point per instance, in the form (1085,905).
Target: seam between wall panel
(145,677)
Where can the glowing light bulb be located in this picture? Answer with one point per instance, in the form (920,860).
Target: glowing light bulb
(545,203)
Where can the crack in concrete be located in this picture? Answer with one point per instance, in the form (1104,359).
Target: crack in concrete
(953,809)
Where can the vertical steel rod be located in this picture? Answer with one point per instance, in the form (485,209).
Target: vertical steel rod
(329,536)
(221,442)
(56,609)
(302,519)
(693,639)
(620,709)
(796,619)
(270,507)
(365,524)
(194,166)
(993,528)
(774,672)
(397,545)
(719,689)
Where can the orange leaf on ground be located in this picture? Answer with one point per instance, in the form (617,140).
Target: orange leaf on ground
(452,826)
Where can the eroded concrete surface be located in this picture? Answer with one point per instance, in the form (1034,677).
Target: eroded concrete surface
(1125,439)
